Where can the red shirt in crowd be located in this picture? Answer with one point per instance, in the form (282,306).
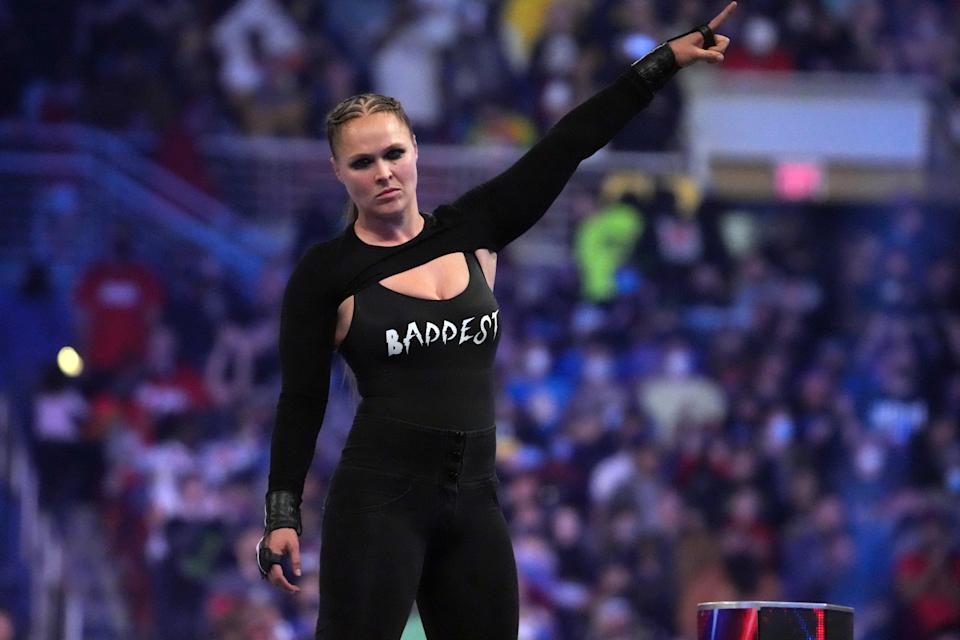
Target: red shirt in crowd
(119,301)
(178,392)
(777,60)
(938,605)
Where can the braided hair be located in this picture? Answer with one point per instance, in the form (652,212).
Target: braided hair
(355,107)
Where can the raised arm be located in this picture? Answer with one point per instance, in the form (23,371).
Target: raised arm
(502,208)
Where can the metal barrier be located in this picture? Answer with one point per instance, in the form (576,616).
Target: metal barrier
(273,181)
(104,180)
(56,610)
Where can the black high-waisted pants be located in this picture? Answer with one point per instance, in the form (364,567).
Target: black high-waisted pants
(412,512)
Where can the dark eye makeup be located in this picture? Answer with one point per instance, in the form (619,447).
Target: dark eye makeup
(393,153)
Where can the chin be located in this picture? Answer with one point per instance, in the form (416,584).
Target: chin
(389,209)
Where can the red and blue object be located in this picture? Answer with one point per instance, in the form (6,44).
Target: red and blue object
(761,620)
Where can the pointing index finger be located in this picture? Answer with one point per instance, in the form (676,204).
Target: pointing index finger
(716,22)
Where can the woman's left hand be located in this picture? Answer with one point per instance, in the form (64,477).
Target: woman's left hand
(689,48)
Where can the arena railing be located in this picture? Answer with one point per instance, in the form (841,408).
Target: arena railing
(54,606)
(111,181)
(274,181)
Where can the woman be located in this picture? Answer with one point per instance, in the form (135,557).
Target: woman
(411,512)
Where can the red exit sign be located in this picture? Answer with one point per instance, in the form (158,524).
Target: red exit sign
(799,180)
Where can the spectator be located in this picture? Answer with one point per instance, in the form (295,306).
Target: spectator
(170,387)
(679,396)
(203,298)
(554,61)
(37,326)
(54,228)
(613,619)
(603,242)
(408,65)
(276,105)
(494,125)
(242,361)
(928,579)
(821,42)
(627,31)
(631,478)
(118,302)
(252,30)
(68,461)
(7,629)
(478,81)
(761,49)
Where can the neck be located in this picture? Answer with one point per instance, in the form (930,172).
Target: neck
(389,230)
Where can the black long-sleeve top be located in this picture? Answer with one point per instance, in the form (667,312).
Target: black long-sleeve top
(488,216)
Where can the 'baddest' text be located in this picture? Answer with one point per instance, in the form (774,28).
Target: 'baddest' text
(466,331)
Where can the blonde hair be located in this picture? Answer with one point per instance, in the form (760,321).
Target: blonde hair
(354,107)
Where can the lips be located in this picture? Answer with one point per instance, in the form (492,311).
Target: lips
(388,192)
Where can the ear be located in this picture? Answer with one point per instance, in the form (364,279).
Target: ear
(416,152)
(336,169)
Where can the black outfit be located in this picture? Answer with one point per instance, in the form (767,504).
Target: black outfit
(412,509)
(426,361)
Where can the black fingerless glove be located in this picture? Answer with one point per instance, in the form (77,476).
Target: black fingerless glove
(656,67)
(282,509)
(659,65)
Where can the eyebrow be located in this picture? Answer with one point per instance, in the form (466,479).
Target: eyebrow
(395,145)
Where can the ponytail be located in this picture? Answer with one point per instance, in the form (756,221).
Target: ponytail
(350,213)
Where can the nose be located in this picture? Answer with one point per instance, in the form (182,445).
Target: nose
(383,171)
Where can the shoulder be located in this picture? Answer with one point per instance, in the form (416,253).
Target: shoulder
(318,252)
(317,272)
(444,215)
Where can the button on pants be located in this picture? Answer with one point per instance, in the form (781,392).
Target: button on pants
(412,513)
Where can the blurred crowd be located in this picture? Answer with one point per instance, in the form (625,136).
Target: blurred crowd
(467,70)
(709,402)
(721,404)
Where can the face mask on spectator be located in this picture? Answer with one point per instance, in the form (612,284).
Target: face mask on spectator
(760,36)
(780,431)
(870,460)
(678,363)
(953,479)
(536,362)
(597,368)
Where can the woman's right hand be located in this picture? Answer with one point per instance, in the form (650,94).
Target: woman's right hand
(283,541)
